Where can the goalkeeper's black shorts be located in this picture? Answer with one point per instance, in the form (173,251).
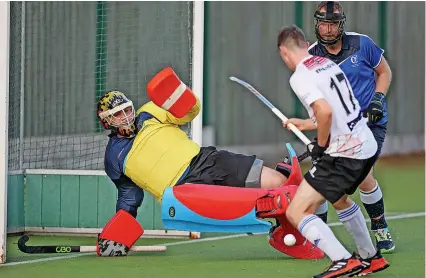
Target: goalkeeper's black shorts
(219,167)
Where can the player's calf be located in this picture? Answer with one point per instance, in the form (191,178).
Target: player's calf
(372,199)
(351,216)
(300,214)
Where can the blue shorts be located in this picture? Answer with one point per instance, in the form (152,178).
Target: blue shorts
(379,132)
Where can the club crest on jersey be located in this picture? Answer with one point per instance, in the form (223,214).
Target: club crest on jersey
(354,60)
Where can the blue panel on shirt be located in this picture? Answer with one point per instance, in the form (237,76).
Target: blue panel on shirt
(357,59)
(118,148)
(115,155)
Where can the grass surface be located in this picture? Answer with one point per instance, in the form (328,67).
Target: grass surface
(251,256)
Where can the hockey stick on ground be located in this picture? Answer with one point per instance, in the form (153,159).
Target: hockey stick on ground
(75,249)
(275,110)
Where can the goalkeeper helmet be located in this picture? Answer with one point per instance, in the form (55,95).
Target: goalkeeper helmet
(116,113)
(330,19)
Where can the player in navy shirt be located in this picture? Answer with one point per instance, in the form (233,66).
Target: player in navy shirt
(370,76)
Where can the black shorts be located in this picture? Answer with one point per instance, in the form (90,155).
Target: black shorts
(219,167)
(334,177)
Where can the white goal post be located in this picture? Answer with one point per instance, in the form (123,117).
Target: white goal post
(4,92)
(197,70)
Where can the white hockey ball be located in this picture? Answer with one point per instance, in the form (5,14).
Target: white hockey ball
(290,240)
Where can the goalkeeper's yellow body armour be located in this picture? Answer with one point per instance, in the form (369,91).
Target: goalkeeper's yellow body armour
(161,151)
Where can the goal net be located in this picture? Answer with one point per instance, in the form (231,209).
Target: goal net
(63,57)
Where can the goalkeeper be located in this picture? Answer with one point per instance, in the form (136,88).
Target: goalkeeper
(148,151)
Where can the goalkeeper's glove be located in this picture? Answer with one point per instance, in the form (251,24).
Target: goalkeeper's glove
(374,112)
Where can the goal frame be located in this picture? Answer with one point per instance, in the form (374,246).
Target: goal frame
(4,101)
(196,128)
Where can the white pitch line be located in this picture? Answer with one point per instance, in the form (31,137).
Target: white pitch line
(401,216)
(46,259)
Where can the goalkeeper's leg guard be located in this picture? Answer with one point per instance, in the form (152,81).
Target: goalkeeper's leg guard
(118,235)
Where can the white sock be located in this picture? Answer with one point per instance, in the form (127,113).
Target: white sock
(319,234)
(372,196)
(323,208)
(354,222)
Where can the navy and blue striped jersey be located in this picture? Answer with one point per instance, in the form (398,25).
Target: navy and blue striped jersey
(357,59)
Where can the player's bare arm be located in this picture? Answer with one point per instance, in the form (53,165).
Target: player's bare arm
(384,76)
(374,112)
(323,114)
(301,124)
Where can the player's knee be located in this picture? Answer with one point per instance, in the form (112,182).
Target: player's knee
(271,178)
(368,183)
(130,201)
(343,203)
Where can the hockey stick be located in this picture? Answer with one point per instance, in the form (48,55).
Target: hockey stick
(275,110)
(75,249)
(303,156)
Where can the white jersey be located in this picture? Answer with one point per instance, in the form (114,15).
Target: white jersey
(318,77)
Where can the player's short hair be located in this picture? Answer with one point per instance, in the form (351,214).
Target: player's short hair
(336,6)
(291,36)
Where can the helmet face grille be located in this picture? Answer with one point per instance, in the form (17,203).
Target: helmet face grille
(329,16)
(116,112)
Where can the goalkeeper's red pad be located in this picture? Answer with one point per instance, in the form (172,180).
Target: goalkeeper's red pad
(122,228)
(167,91)
(303,249)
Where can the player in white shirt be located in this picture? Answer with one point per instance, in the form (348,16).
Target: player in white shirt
(341,157)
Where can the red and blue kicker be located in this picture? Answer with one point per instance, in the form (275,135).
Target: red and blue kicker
(210,208)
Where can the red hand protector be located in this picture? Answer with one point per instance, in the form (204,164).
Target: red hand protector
(167,91)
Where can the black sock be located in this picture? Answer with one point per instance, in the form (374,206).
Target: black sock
(376,213)
(323,216)
(374,205)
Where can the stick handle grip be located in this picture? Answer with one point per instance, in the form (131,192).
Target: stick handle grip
(148,248)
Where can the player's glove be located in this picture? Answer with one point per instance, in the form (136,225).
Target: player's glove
(315,151)
(374,112)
